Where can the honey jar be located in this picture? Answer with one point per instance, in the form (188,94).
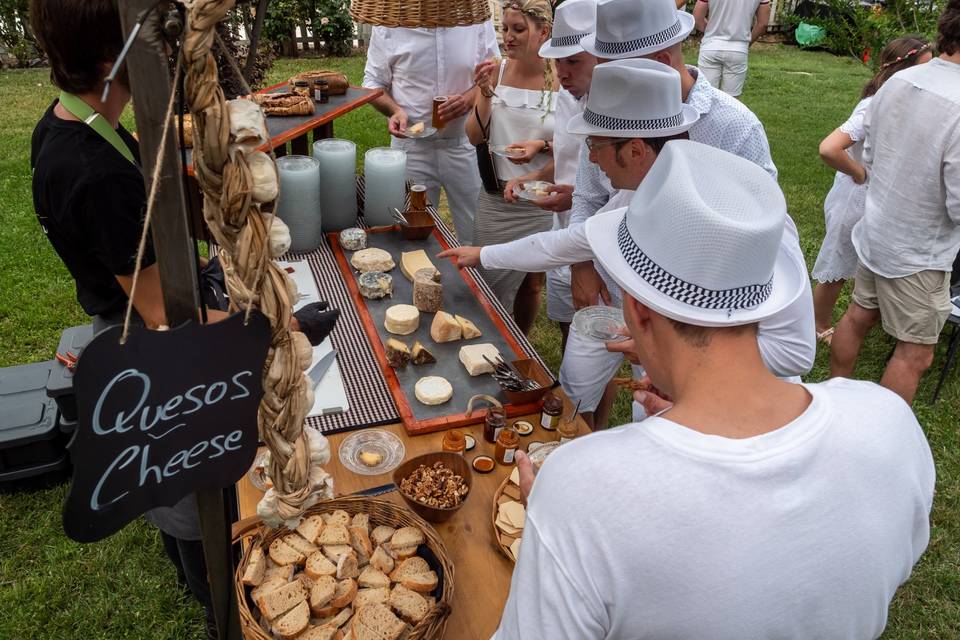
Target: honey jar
(550,414)
(495,421)
(507,444)
(454,442)
(302,88)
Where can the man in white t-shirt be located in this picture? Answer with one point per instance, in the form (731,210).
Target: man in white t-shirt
(909,235)
(729,28)
(752,508)
(413,66)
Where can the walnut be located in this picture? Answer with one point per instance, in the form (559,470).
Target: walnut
(435,486)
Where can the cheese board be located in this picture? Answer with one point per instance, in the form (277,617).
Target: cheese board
(465,312)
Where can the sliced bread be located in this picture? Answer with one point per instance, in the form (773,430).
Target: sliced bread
(256,567)
(361,520)
(376,622)
(283,554)
(284,571)
(410,605)
(381,535)
(340,517)
(382,561)
(265,587)
(372,578)
(327,612)
(347,566)
(334,551)
(319,565)
(339,619)
(407,537)
(310,528)
(346,592)
(409,567)
(305,579)
(360,541)
(293,622)
(334,534)
(300,543)
(277,602)
(401,553)
(369,596)
(420,582)
(324,588)
(322,633)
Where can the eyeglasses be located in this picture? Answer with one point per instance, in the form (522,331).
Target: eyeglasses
(594,145)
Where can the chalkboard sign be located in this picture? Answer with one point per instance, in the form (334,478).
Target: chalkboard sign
(161,416)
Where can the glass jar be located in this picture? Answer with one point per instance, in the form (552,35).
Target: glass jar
(495,421)
(550,414)
(567,429)
(418,197)
(302,88)
(454,442)
(507,443)
(321,91)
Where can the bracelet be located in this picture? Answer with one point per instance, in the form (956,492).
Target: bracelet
(546,147)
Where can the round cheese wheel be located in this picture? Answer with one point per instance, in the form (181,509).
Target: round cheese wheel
(433,390)
(353,239)
(402,319)
(372,259)
(375,284)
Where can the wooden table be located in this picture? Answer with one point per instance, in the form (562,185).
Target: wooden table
(482,571)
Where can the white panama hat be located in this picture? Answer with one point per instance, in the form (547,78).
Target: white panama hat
(573,20)
(634,28)
(636,98)
(701,241)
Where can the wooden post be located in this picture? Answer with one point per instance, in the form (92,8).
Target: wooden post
(175,251)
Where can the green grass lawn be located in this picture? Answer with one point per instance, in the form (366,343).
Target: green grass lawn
(122,587)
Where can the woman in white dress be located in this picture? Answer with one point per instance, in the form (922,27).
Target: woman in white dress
(844,205)
(517,102)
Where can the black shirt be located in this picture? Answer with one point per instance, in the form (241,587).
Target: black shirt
(90,201)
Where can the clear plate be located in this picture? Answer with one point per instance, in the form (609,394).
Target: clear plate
(376,441)
(540,454)
(426,133)
(258,472)
(600,323)
(530,188)
(506,151)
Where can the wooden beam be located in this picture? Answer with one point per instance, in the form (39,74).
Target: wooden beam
(175,250)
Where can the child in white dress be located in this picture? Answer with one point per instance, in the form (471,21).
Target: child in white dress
(843,207)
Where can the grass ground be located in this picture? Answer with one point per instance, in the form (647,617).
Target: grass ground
(122,587)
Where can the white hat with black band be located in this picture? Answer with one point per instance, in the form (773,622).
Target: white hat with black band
(634,28)
(636,98)
(701,241)
(573,20)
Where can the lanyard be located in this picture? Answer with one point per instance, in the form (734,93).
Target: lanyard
(80,109)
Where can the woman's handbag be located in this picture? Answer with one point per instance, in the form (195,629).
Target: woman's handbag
(488,171)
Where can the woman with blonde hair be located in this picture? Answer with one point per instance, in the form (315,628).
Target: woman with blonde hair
(844,205)
(516,102)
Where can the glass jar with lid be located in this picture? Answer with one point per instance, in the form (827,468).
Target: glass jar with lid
(507,444)
(495,421)
(454,442)
(550,414)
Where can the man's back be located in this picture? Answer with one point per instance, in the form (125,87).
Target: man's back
(803,532)
(729,24)
(912,154)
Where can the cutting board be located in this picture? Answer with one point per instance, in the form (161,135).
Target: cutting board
(329,394)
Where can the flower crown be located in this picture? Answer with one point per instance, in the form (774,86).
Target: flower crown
(537,14)
(906,56)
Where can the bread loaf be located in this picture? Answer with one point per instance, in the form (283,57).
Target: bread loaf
(336,81)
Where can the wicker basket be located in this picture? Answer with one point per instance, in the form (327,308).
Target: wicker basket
(422,13)
(381,512)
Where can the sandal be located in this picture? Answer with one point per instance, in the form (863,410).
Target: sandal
(825,336)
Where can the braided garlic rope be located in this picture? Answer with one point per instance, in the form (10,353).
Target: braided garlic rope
(239,184)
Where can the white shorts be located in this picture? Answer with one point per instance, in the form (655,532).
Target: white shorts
(559,297)
(586,370)
(725,70)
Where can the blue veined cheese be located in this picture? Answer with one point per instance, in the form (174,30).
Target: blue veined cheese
(353,239)
(375,285)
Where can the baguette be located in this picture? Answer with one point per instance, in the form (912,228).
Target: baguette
(632,384)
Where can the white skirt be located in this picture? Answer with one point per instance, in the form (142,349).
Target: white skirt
(842,209)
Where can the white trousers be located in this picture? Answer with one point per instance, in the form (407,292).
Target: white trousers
(559,297)
(451,164)
(586,369)
(726,70)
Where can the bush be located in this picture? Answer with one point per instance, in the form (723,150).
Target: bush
(862,31)
(15,34)
(329,19)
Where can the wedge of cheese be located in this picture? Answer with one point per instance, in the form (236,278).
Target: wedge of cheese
(417,128)
(472,357)
(467,328)
(413,261)
(445,328)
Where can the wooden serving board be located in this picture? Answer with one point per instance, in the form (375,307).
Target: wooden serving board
(461,296)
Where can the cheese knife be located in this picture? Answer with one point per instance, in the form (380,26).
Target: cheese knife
(318,370)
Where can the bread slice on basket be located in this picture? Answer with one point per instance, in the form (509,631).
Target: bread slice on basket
(323,591)
(346,592)
(292,623)
(256,567)
(369,596)
(382,561)
(319,565)
(410,605)
(376,622)
(371,578)
(321,633)
(280,600)
(310,528)
(282,554)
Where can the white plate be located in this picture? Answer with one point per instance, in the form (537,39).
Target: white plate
(600,323)
(376,441)
(530,188)
(506,151)
(426,133)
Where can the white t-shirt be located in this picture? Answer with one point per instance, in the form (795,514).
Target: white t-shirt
(729,25)
(653,530)
(911,150)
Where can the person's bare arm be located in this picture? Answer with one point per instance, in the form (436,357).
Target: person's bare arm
(482,76)
(148,300)
(396,117)
(761,23)
(833,152)
(700,15)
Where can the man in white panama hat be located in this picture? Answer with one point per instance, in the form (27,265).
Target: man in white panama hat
(633,108)
(753,508)
(655,29)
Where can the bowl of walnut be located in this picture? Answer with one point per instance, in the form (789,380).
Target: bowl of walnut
(435,484)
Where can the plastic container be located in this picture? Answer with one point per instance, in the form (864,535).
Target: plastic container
(60,382)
